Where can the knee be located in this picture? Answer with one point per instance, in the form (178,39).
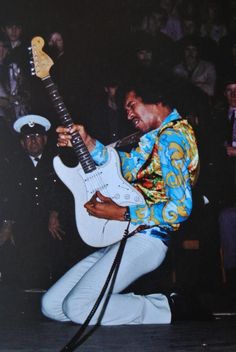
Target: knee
(77,308)
(47,306)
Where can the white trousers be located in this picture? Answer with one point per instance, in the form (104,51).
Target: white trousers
(72,297)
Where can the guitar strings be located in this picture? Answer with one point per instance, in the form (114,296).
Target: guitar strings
(96,183)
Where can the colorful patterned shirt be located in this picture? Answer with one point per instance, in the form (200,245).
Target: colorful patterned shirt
(163,167)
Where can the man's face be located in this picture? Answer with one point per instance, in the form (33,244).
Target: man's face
(143,116)
(189,26)
(13,32)
(144,56)
(191,52)
(166,4)
(111,91)
(56,40)
(230,93)
(34,143)
(153,24)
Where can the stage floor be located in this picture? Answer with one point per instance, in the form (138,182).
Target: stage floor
(23,328)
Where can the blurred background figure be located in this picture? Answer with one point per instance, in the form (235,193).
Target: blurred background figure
(213,24)
(147,35)
(5,106)
(172,27)
(17,62)
(66,72)
(202,73)
(56,44)
(223,145)
(105,118)
(8,140)
(209,48)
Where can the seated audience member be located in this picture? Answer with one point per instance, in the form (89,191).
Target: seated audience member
(209,48)
(105,119)
(223,143)
(56,44)
(200,72)
(163,46)
(188,8)
(7,115)
(67,70)
(213,25)
(33,198)
(145,60)
(173,26)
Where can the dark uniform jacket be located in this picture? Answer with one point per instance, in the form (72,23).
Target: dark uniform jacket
(33,194)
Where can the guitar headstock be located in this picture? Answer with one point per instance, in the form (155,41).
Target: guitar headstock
(41,61)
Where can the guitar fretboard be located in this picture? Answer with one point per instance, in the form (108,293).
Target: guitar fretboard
(80,148)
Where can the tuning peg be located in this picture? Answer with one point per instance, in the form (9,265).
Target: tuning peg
(30,48)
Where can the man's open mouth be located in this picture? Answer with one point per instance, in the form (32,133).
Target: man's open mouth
(135,121)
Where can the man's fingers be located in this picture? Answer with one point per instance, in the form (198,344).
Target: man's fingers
(103,198)
(56,235)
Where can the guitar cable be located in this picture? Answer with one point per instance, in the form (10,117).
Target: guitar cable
(79,337)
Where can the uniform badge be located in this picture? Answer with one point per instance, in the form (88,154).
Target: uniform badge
(31,123)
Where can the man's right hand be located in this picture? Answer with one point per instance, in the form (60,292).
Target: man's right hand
(64,136)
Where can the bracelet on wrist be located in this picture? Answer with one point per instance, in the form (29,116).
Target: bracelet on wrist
(127,215)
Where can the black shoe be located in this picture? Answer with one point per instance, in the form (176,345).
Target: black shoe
(187,307)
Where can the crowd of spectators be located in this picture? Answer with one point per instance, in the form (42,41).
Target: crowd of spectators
(191,43)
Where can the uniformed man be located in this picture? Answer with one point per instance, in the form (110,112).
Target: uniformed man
(33,195)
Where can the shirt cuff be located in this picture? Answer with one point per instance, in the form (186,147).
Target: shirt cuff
(139,214)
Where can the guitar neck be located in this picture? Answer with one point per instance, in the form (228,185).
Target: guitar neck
(80,148)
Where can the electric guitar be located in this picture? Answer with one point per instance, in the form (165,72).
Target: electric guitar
(87,178)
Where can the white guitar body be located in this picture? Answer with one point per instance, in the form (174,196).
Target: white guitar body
(109,181)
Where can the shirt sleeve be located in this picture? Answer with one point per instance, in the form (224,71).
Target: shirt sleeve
(174,162)
(130,162)
(99,153)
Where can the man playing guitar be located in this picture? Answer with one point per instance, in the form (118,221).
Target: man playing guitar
(163,169)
